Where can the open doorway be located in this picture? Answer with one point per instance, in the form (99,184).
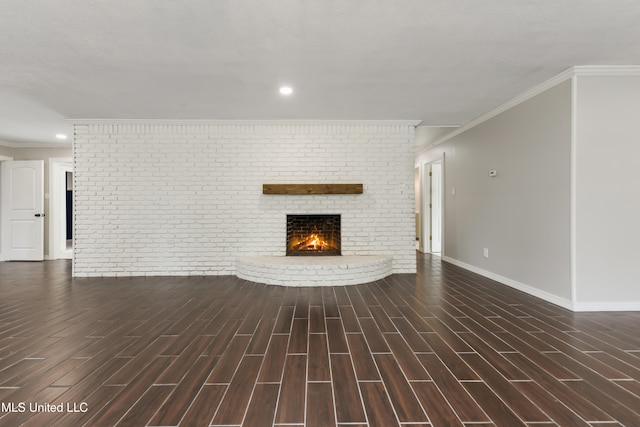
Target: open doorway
(69,209)
(431,207)
(61,208)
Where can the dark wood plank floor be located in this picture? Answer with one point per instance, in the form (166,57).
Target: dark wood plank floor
(443,347)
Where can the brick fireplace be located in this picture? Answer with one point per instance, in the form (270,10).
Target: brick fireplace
(204,181)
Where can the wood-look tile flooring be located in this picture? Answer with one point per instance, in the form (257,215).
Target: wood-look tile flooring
(443,347)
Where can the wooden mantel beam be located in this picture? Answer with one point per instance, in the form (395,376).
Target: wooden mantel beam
(297,189)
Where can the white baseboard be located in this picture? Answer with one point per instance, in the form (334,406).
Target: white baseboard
(607,306)
(553,299)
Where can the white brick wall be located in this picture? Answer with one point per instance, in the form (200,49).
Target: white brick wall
(185,198)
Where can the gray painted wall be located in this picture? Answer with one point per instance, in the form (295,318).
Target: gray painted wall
(608,192)
(5,151)
(523,215)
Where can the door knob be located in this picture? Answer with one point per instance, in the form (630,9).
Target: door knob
(39,215)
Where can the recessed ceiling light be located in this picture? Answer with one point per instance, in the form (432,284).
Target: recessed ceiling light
(286,90)
(61,136)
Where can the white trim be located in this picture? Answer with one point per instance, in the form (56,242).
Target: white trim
(606,70)
(245,122)
(34,144)
(425,244)
(581,71)
(572,191)
(73,202)
(2,159)
(565,75)
(553,299)
(443,203)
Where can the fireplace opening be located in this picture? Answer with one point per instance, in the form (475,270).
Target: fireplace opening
(309,235)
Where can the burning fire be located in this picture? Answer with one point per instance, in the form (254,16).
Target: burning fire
(313,242)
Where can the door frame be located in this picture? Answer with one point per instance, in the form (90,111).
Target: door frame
(426,214)
(436,201)
(58,168)
(2,159)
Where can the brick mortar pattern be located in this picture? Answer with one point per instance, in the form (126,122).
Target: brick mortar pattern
(186,199)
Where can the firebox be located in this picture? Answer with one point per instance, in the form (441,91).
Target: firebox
(313,235)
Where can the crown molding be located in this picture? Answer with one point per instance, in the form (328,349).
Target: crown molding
(398,128)
(205,122)
(564,76)
(577,71)
(606,70)
(36,144)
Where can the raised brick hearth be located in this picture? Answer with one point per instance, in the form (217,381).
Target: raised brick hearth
(314,271)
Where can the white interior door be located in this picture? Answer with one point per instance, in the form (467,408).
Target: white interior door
(23,210)
(432,206)
(436,207)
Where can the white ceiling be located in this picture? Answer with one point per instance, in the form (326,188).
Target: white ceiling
(441,61)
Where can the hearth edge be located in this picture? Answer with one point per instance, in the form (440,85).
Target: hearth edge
(314,271)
